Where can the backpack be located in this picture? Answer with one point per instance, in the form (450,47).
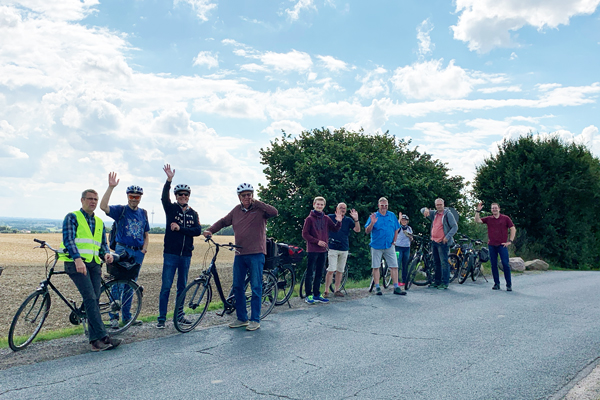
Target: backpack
(290,254)
(454,213)
(112,236)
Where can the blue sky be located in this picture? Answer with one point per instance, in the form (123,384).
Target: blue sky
(88,87)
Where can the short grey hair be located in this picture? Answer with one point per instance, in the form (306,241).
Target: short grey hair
(440,199)
(86,191)
(382,199)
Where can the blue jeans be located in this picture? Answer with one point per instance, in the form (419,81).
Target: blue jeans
(403,258)
(124,292)
(172,263)
(243,265)
(440,259)
(501,251)
(89,287)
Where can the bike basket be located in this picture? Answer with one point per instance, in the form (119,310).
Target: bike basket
(484,254)
(120,272)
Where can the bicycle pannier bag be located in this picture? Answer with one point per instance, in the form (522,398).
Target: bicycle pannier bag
(484,254)
(296,254)
(271,259)
(123,267)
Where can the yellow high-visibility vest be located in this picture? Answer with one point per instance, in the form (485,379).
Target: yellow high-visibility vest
(87,244)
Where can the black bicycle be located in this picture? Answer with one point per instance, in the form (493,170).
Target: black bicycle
(30,317)
(302,289)
(285,276)
(192,304)
(385,275)
(421,269)
(471,262)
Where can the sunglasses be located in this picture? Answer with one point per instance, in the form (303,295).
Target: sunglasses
(134,196)
(246,195)
(183,194)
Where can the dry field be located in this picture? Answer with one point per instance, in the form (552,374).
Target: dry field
(24,270)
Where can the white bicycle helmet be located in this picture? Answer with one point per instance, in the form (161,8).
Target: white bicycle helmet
(135,189)
(245,187)
(182,188)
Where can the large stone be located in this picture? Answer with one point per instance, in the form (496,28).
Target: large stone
(536,265)
(515,263)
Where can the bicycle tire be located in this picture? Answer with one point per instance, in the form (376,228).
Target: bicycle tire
(302,288)
(269,295)
(454,262)
(29,317)
(410,275)
(476,270)
(286,280)
(342,283)
(191,305)
(386,273)
(421,275)
(465,269)
(114,297)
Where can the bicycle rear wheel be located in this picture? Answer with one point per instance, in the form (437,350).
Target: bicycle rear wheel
(342,282)
(191,305)
(421,276)
(454,262)
(119,300)
(464,270)
(302,288)
(476,270)
(286,280)
(269,295)
(28,320)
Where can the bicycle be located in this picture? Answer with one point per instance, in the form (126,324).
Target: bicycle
(302,289)
(455,261)
(385,274)
(31,315)
(192,304)
(471,263)
(421,269)
(285,276)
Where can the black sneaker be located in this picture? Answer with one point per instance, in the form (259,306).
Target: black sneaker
(509,288)
(378,291)
(496,286)
(112,342)
(160,324)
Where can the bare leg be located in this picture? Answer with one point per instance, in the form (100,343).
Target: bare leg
(328,278)
(376,275)
(338,280)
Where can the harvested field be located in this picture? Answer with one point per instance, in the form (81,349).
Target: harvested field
(24,270)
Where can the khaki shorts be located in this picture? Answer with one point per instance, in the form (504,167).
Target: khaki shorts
(388,254)
(337,260)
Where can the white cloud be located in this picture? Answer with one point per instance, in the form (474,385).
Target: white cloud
(58,10)
(290,61)
(292,127)
(515,88)
(513,56)
(333,64)
(486,24)
(423,31)
(253,67)
(373,84)
(294,13)
(429,80)
(544,87)
(206,58)
(201,7)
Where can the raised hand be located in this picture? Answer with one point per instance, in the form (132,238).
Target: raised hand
(373,219)
(480,206)
(170,173)
(112,179)
(338,215)
(354,214)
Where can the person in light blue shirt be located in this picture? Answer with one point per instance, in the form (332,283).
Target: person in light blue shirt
(403,247)
(383,226)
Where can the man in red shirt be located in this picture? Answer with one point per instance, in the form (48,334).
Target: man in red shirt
(498,227)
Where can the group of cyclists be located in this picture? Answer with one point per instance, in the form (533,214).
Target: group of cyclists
(327,236)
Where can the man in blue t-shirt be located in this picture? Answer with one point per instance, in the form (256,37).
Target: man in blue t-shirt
(338,248)
(131,237)
(383,227)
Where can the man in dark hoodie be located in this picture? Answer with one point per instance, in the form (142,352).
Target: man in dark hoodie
(316,233)
(182,225)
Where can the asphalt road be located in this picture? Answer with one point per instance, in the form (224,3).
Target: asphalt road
(468,342)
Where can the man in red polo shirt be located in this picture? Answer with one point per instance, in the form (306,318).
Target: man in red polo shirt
(498,227)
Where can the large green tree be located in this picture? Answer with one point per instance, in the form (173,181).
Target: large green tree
(355,168)
(550,189)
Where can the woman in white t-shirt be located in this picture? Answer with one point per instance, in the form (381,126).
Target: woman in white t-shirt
(403,246)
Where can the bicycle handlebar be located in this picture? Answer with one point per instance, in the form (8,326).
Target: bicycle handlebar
(44,244)
(230,245)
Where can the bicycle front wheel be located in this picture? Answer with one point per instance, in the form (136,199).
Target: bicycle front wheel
(454,262)
(342,281)
(419,271)
(286,280)
(465,268)
(28,320)
(476,270)
(120,304)
(191,305)
(269,295)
